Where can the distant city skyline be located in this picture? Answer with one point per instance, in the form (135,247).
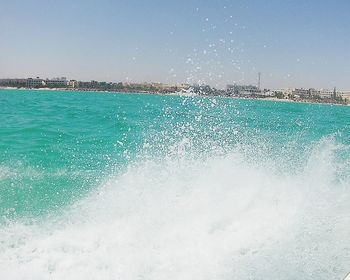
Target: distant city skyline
(292,43)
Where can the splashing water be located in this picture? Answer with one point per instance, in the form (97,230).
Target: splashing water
(199,189)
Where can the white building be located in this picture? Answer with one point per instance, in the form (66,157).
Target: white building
(35,82)
(59,82)
(73,83)
(345,94)
(326,93)
(243,89)
(296,92)
(314,92)
(13,82)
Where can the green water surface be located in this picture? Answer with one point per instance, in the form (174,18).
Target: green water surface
(55,146)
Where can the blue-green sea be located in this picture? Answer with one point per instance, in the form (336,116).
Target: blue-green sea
(98,185)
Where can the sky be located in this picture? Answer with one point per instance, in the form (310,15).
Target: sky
(300,43)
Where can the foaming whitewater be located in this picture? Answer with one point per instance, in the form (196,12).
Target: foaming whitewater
(154,187)
(219,216)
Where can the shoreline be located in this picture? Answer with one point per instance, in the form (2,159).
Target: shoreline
(271,99)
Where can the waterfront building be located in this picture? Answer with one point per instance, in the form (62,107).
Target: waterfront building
(296,92)
(242,90)
(83,84)
(93,83)
(325,93)
(300,92)
(314,92)
(73,83)
(286,91)
(269,93)
(35,82)
(13,82)
(345,94)
(56,82)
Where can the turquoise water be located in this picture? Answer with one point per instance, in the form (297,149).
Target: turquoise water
(137,186)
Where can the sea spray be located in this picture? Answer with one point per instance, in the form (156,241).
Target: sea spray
(198,189)
(213,218)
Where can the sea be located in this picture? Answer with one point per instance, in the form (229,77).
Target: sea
(99,185)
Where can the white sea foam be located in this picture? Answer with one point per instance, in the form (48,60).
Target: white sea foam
(5,172)
(221,217)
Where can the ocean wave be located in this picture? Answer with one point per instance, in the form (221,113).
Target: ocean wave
(222,215)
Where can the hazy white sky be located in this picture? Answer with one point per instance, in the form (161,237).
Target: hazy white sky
(293,43)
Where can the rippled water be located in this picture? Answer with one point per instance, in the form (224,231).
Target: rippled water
(136,186)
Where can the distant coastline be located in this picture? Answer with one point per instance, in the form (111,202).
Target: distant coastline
(182,93)
(302,95)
